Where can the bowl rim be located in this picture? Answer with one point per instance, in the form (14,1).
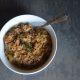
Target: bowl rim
(45,66)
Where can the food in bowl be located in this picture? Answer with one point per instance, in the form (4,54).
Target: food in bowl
(27,47)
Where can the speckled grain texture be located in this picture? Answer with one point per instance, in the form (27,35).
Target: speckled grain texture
(66,64)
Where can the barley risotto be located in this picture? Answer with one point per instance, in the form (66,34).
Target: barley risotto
(27,47)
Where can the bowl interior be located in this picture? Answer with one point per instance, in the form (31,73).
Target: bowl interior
(34,21)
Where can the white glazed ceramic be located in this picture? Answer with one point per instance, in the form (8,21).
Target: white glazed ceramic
(35,21)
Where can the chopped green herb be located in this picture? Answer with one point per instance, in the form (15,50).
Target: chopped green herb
(28,46)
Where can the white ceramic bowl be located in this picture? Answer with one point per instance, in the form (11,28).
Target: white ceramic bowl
(35,21)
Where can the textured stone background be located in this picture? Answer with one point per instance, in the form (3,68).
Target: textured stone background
(66,65)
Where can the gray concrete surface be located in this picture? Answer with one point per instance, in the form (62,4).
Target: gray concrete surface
(66,65)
